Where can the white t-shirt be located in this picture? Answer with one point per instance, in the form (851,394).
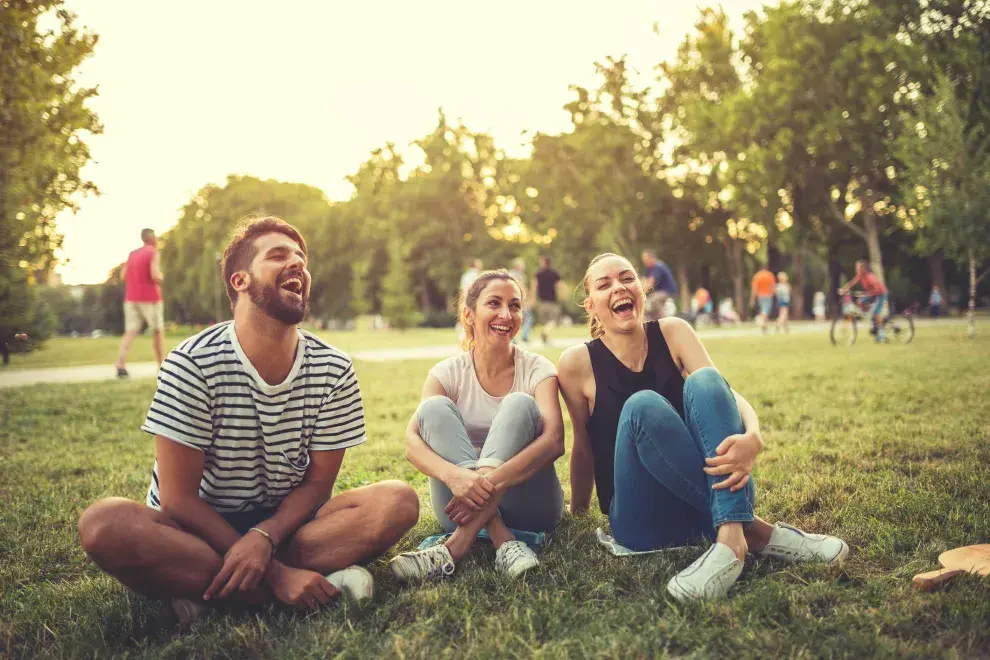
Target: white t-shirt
(256,437)
(460,381)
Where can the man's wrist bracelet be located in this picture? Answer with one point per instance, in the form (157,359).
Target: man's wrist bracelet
(266,535)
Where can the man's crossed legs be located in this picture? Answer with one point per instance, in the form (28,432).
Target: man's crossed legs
(150,553)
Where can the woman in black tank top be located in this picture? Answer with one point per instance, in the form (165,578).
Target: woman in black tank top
(669,444)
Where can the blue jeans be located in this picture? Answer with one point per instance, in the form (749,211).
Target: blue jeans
(663,498)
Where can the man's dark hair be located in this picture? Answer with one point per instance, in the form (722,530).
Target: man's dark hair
(147,236)
(240,252)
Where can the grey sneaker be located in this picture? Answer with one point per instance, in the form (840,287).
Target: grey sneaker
(709,577)
(355,582)
(421,565)
(793,545)
(515,558)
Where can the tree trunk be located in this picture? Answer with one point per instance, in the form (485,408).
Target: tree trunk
(773,255)
(972,294)
(798,286)
(733,254)
(873,242)
(834,280)
(682,284)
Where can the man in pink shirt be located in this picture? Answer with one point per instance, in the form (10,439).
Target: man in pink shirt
(876,293)
(143,299)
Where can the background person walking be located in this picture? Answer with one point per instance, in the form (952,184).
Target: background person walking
(762,289)
(142,275)
(544,291)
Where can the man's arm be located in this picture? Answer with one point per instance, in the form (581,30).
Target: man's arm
(314,490)
(156,268)
(180,470)
(670,283)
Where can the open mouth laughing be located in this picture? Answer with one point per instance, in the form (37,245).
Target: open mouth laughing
(500,329)
(293,284)
(623,307)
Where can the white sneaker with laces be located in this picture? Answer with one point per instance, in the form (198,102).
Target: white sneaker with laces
(422,565)
(355,582)
(515,558)
(709,577)
(793,545)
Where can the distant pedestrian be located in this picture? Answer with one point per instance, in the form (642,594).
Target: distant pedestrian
(518,271)
(935,302)
(783,302)
(143,305)
(474,269)
(762,290)
(544,292)
(659,284)
(818,306)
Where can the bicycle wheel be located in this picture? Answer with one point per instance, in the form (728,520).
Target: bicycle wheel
(900,328)
(843,332)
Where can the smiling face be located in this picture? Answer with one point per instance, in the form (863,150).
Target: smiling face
(278,280)
(497,315)
(614,294)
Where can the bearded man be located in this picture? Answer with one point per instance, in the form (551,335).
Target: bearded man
(251,419)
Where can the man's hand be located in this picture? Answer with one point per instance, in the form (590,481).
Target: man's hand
(244,566)
(471,488)
(735,457)
(300,588)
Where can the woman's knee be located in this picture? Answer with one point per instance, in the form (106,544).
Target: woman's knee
(436,406)
(520,401)
(705,379)
(646,404)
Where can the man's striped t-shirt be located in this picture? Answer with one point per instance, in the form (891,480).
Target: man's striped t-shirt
(256,437)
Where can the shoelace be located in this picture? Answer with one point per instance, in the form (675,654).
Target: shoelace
(434,561)
(513,552)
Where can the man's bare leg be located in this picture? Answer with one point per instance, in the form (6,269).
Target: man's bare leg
(146,550)
(125,348)
(158,343)
(354,526)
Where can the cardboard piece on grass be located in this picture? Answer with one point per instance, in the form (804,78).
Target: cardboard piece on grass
(968,559)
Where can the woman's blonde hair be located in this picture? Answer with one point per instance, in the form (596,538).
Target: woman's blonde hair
(469,298)
(595,326)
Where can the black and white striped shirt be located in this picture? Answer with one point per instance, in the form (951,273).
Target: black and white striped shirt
(256,437)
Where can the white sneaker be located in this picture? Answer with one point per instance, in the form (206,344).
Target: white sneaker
(793,545)
(709,577)
(188,611)
(422,564)
(355,582)
(515,558)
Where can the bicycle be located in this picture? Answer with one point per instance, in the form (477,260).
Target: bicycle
(856,308)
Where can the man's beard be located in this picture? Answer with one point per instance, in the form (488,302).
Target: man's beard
(269,300)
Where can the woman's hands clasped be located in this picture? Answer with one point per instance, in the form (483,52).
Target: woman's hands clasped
(735,457)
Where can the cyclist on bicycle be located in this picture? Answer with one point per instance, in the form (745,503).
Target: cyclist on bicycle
(874,292)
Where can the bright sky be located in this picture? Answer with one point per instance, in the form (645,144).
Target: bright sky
(303,91)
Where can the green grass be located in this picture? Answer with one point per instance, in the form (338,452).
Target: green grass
(884,446)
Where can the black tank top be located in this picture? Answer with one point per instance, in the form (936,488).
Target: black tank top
(614,384)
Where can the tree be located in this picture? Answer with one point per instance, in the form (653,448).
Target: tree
(398,306)
(947,173)
(43,123)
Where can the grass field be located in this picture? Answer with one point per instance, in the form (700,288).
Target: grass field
(884,446)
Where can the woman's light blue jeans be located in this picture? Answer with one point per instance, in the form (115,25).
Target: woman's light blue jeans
(535,505)
(663,498)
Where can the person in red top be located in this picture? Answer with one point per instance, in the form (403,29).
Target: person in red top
(763,287)
(143,299)
(875,292)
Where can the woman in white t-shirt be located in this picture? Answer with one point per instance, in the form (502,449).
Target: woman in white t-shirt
(487,433)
